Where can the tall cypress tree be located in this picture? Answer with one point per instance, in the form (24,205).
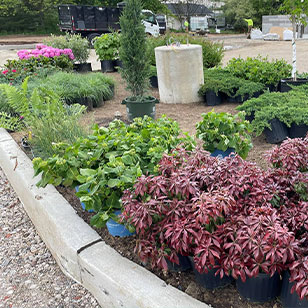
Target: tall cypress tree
(133,50)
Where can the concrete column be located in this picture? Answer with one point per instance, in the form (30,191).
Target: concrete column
(179,73)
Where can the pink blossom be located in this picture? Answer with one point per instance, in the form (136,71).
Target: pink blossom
(5,72)
(14,71)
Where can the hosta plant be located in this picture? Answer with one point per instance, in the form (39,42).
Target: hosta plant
(223,130)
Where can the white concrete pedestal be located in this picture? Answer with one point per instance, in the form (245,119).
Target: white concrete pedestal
(179,73)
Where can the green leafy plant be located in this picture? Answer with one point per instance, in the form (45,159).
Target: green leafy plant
(107,46)
(75,42)
(9,122)
(153,71)
(260,70)
(45,116)
(223,130)
(221,81)
(110,159)
(212,52)
(289,107)
(133,49)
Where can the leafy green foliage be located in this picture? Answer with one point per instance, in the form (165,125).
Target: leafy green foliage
(223,130)
(260,70)
(9,122)
(45,116)
(220,80)
(75,42)
(133,49)
(110,160)
(212,52)
(107,46)
(289,107)
(70,86)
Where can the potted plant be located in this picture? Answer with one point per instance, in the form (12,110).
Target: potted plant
(107,47)
(223,133)
(260,70)
(79,47)
(257,249)
(136,65)
(153,77)
(298,10)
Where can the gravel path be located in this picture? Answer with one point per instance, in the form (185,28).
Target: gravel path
(29,276)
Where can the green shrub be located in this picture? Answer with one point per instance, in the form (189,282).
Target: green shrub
(75,42)
(220,80)
(289,107)
(46,117)
(212,52)
(109,161)
(107,46)
(260,70)
(70,86)
(223,130)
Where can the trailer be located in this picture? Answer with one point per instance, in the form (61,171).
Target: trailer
(92,21)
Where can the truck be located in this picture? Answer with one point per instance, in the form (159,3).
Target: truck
(92,21)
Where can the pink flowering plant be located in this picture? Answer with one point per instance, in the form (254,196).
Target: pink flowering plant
(38,62)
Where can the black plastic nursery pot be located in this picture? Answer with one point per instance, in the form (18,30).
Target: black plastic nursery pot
(237,99)
(184,264)
(83,67)
(286,83)
(116,64)
(82,101)
(107,66)
(272,87)
(289,300)
(298,130)
(260,289)
(209,280)
(213,99)
(140,108)
(278,133)
(154,81)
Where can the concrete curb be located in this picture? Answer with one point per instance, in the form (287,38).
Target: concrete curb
(78,249)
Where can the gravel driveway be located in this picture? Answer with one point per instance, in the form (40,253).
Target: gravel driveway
(29,276)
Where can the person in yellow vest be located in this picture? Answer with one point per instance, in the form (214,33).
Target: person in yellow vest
(186,25)
(250,25)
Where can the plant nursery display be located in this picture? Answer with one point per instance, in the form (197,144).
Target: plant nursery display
(136,64)
(229,215)
(223,133)
(78,45)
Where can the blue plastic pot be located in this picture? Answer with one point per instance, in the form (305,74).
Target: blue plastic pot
(116,229)
(222,154)
(82,204)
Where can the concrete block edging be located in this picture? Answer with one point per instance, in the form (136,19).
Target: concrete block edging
(80,252)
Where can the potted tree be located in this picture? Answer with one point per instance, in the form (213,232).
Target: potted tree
(298,10)
(136,65)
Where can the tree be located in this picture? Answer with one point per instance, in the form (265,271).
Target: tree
(298,11)
(237,10)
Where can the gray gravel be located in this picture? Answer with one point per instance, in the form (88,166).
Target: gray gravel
(29,276)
